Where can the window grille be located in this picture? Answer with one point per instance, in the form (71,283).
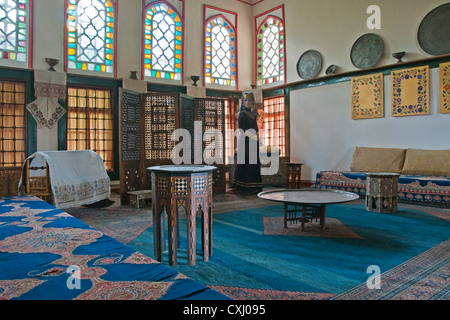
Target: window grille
(14,32)
(274,128)
(163,41)
(91,35)
(90,122)
(12,124)
(220,52)
(230,117)
(270,51)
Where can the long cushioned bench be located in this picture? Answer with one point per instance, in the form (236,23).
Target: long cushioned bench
(425,174)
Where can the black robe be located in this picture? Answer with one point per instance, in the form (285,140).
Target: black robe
(247,176)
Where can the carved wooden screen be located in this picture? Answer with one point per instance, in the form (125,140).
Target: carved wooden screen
(161,117)
(211,112)
(130,150)
(187,116)
(147,122)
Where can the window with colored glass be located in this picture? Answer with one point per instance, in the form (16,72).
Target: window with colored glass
(163,41)
(270,53)
(220,52)
(91,36)
(15,33)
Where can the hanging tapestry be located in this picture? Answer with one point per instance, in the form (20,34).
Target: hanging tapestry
(444,72)
(410,89)
(49,86)
(368,96)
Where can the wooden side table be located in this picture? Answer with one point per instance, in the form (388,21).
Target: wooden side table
(294,175)
(382,192)
(176,188)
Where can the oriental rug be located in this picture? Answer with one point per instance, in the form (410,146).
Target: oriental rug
(255,258)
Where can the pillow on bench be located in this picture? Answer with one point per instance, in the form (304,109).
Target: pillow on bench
(367,159)
(427,162)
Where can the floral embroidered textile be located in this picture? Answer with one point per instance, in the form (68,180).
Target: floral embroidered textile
(367,96)
(49,86)
(444,72)
(410,89)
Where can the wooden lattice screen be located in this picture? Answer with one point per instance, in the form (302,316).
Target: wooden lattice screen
(130,150)
(211,112)
(146,125)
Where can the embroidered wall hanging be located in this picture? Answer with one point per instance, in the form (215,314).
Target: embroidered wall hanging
(367,96)
(444,72)
(410,89)
(49,86)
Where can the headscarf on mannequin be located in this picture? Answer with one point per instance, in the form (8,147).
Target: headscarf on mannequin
(254,109)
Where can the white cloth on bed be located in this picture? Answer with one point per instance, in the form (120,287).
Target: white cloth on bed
(77,177)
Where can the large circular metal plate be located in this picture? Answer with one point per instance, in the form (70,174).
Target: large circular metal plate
(434,31)
(367,50)
(309,64)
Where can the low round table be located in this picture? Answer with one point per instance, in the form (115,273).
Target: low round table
(188,187)
(312,202)
(382,192)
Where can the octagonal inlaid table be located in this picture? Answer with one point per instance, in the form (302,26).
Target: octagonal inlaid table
(176,188)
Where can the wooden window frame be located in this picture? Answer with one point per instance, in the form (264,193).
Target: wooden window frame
(18,155)
(275,119)
(90,143)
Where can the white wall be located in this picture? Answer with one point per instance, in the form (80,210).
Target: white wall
(332,27)
(326,136)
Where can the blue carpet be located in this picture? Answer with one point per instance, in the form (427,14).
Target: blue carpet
(313,265)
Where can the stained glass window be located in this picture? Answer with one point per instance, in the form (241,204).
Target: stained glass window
(270,51)
(220,52)
(91,35)
(163,40)
(14,32)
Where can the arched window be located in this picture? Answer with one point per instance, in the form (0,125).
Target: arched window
(270,51)
(91,36)
(163,41)
(220,52)
(15,34)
